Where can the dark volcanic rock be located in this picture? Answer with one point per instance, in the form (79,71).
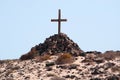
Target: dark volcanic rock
(114,77)
(50,64)
(70,76)
(58,44)
(95,79)
(96,71)
(53,45)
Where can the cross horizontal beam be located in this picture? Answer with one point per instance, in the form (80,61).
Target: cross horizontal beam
(55,20)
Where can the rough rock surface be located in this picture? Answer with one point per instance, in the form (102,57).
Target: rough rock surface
(53,45)
(80,69)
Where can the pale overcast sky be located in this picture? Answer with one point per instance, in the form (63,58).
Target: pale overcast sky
(92,24)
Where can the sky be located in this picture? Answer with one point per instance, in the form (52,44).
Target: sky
(93,24)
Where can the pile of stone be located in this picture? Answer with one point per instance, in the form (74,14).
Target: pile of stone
(58,43)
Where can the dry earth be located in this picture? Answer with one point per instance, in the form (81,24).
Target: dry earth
(88,67)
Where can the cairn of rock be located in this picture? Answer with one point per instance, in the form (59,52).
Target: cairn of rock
(58,43)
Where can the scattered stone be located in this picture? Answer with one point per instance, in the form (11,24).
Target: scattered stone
(72,66)
(73,76)
(93,52)
(50,64)
(27,77)
(50,75)
(99,60)
(67,76)
(89,57)
(62,66)
(57,78)
(108,65)
(70,76)
(95,79)
(96,71)
(115,69)
(49,69)
(114,77)
(83,54)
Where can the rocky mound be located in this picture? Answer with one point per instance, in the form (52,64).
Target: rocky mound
(53,45)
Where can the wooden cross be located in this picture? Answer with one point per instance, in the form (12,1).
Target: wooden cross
(59,20)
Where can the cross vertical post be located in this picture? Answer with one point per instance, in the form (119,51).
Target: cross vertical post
(59,23)
(59,20)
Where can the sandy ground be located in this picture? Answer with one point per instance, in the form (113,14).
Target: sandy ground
(78,70)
